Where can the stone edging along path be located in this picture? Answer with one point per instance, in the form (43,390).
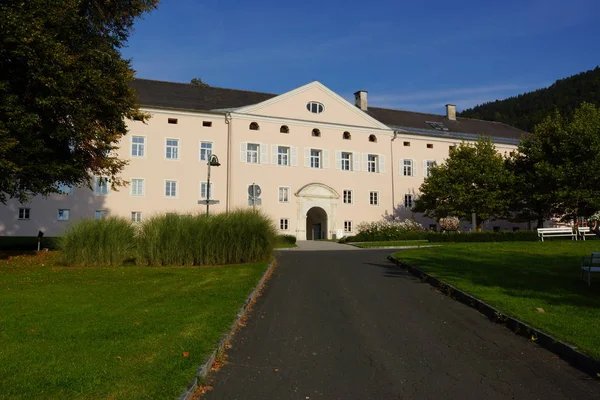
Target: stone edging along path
(205,368)
(563,350)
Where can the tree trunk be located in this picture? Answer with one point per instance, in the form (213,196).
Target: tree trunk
(540,221)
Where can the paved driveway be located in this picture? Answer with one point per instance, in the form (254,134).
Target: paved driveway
(347,325)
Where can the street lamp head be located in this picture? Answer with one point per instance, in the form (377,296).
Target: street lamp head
(214,161)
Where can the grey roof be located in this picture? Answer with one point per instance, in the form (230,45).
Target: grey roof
(185,96)
(417,122)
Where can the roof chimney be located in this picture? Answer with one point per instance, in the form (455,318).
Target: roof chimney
(451,112)
(360,99)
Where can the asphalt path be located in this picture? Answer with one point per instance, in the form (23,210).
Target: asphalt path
(350,325)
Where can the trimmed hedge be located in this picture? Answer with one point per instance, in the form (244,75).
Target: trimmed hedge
(387,236)
(519,236)
(286,239)
(27,243)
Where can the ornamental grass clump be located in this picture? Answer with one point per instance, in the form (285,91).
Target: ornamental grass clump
(104,242)
(227,238)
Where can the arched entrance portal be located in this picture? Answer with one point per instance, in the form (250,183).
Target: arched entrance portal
(316,205)
(316,224)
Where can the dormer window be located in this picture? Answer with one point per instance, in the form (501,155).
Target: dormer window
(316,132)
(438,126)
(284,129)
(254,126)
(315,107)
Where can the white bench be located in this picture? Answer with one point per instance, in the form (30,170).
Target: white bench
(590,264)
(551,232)
(584,231)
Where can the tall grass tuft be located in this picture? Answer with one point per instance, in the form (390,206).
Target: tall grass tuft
(107,241)
(227,238)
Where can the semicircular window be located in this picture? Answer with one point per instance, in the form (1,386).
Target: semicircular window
(315,107)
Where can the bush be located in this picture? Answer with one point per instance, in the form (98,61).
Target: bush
(384,230)
(449,223)
(227,238)
(519,236)
(286,239)
(13,243)
(107,241)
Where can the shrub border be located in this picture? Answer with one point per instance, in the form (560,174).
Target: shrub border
(564,350)
(223,344)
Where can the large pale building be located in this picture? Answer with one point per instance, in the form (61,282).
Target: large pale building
(323,164)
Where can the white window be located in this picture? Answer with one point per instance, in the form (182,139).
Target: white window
(346,161)
(172,149)
(24,213)
(428,164)
(136,216)
(374,198)
(348,196)
(315,158)
(408,201)
(138,146)
(284,224)
(137,187)
(283,155)
(203,191)
(170,188)
(63,214)
(372,163)
(408,168)
(252,155)
(206,150)
(284,194)
(101,185)
(99,214)
(315,107)
(347,226)
(65,189)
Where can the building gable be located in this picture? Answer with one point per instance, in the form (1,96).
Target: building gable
(326,106)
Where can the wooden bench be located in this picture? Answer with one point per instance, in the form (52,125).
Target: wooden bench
(589,265)
(552,232)
(584,231)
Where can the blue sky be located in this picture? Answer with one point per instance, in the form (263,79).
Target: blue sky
(413,55)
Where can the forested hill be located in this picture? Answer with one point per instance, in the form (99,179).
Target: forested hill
(526,110)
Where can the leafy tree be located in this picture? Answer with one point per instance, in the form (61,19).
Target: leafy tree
(557,167)
(64,92)
(198,82)
(527,110)
(472,180)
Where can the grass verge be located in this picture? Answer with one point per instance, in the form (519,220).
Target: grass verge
(111,332)
(519,277)
(286,245)
(392,243)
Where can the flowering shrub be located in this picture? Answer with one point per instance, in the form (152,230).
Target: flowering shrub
(449,223)
(389,230)
(595,217)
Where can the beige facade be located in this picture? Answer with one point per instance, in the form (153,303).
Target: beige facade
(323,164)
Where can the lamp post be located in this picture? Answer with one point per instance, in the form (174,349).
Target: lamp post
(213,161)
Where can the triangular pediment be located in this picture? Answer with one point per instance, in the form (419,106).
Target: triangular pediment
(293,105)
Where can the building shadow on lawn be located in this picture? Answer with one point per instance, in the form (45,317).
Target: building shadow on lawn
(553,278)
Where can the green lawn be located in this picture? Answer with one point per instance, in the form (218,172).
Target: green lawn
(285,246)
(119,333)
(519,277)
(396,243)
